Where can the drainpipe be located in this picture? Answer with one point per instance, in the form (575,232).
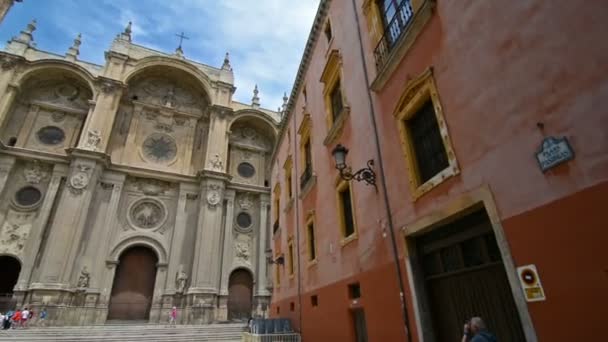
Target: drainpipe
(296,194)
(406,324)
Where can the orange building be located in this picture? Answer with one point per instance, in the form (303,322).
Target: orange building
(486,128)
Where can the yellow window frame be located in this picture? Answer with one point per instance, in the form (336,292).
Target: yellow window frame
(290,258)
(311,245)
(418,92)
(332,74)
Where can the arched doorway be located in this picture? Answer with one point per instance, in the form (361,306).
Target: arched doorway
(240,291)
(9,269)
(133,286)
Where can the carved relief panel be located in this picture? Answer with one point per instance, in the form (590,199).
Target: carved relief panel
(149,206)
(20,205)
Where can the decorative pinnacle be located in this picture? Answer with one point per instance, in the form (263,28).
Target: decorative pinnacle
(26,36)
(128,28)
(255,101)
(285,98)
(74,50)
(226,65)
(31,27)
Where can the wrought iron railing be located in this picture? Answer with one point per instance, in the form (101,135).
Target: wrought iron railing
(306,176)
(393,32)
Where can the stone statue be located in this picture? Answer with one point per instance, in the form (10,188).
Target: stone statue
(216,163)
(85,277)
(93,139)
(181,278)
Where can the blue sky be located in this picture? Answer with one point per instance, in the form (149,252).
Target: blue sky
(265,38)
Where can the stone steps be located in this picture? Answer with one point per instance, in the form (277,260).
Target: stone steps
(127,333)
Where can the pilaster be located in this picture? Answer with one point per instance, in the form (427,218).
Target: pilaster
(217,140)
(8,91)
(98,126)
(262,276)
(34,240)
(227,251)
(64,239)
(179,236)
(206,267)
(6,166)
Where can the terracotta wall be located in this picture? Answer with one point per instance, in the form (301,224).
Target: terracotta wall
(500,69)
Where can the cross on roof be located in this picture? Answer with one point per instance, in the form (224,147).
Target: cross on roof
(181,38)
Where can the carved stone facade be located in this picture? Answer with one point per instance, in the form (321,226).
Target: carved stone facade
(148,151)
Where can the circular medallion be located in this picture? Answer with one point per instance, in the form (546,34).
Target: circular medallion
(147,214)
(28,196)
(245,170)
(244,220)
(159,148)
(50,135)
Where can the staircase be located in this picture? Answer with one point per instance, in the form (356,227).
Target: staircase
(126,333)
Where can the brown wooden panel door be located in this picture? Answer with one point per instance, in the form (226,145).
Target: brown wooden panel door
(240,290)
(133,286)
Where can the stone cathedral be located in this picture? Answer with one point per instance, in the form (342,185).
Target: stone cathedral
(131,187)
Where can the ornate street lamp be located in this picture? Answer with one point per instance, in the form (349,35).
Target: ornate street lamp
(366,174)
(280,260)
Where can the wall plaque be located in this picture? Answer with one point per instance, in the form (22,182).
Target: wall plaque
(554,151)
(530,283)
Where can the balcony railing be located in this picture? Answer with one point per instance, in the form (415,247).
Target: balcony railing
(275,226)
(306,176)
(393,31)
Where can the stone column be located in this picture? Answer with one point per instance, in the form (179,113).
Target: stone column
(104,236)
(6,166)
(63,242)
(6,100)
(217,140)
(261,275)
(35,238)
(228,243)
(133,128)
(98,125)
(179,236)
(206,267)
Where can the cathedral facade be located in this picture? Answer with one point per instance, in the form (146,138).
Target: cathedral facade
(131,187)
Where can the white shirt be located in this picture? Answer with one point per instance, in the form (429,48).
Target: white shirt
(25,314)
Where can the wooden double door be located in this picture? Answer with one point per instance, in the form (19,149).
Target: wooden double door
(464,277)
(240,291)
(133,286)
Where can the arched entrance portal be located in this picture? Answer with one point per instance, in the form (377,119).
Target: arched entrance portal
(240,291)
(9,268)
(133,286)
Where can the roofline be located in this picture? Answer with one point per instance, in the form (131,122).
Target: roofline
(304,63)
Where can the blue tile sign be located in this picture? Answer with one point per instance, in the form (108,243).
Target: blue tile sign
(553,152)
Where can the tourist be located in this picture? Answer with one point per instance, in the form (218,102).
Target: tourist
(25,316)
(173,317)
(7,319)
(42,318)
(475,331)
(16,319)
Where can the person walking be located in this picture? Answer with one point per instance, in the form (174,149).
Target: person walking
(42,318)
(16,319)
(173,317)
(475,331)
(7,319)
(25,316)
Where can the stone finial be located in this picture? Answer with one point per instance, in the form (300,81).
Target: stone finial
(179,52)
(226,65)
(74,50)
(26,35)
(285,98)
(255,101)
(126,34)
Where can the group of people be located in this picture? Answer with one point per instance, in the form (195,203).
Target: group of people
(20,318)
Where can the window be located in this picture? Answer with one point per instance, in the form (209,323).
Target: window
(328,33)
(306,153)
(278,310)
(288,183)
(336,101)
(310,238)
(28,196)
(354,291)
(291,257)
(244,220)
(346,214)
(429,151)
(292,306)
(277,208)
(305,96)
(314,300)
(245,170)
(51,135)
(396,15)
(424,136)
